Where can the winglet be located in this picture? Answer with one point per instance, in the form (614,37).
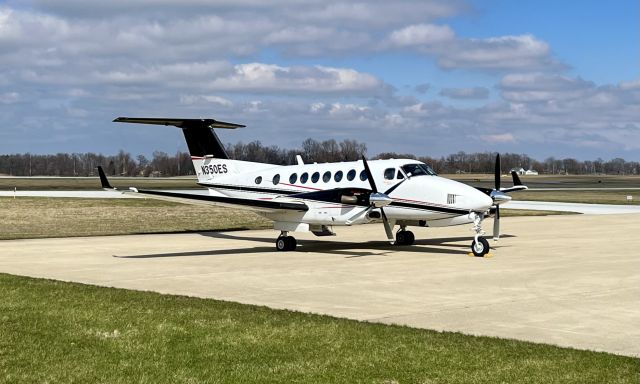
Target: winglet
(103,179)
(516,178)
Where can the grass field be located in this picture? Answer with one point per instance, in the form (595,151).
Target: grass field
(56,332)
(27,217)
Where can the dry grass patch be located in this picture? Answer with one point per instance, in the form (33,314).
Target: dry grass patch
(28,217)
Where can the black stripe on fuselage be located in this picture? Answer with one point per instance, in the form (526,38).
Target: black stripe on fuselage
(424,206)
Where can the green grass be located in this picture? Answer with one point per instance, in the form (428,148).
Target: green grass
(37,217)
(58,332)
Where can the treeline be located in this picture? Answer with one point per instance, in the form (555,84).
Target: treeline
(179,164)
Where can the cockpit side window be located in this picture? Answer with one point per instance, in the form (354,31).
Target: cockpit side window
(418,170)
(389,173)
(400,176)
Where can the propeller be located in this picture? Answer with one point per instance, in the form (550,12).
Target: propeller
(377,200)
(500,195)
(496,218)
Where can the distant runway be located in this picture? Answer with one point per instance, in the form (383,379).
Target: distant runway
(566,280)
(590,209)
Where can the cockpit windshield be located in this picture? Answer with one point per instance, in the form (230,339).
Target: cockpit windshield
(418,170)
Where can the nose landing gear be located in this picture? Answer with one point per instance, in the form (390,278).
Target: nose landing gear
(480,245)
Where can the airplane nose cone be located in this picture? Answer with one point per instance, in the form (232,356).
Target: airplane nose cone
(481,201)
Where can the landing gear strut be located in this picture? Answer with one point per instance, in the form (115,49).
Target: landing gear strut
(480,245)
(285,242)
(404,237)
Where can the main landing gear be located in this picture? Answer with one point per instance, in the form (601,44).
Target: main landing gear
(285,242)
(404,237)
(480,245)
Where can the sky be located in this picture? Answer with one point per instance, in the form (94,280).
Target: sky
(545,78)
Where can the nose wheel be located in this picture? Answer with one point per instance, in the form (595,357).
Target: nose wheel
(480,247)
(286,243)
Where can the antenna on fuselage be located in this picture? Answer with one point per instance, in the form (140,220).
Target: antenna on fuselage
(299,160)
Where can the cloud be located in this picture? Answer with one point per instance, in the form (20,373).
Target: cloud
(500,138)
(465,93)
(422,88)
(524,52)
(421,35)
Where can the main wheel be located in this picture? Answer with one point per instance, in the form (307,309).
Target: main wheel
(405,238)
(409,238)
(286,243)
(282,243)
(292,243)
(480,248)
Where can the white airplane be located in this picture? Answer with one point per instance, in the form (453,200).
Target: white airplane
(316,197)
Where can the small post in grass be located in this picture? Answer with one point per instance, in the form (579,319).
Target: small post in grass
(629,199)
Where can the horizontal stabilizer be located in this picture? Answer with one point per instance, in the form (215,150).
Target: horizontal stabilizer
(180,123)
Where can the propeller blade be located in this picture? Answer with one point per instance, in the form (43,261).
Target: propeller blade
(496,224)
(387,226)
(369,175)
(498,172)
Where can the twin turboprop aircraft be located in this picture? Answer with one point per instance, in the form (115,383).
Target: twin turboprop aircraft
(316,197)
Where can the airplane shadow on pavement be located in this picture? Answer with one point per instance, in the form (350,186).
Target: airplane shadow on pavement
(448,245)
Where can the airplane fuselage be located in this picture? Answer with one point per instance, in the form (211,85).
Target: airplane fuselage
(419,197)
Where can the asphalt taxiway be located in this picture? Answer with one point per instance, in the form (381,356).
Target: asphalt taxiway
(566,280)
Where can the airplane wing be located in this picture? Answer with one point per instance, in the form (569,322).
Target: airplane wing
(189,198)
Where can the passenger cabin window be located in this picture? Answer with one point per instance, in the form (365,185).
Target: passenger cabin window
(389,173)
(351,175)
(276,179)
(363,176)
(315,177)
(326,177)
(304,177)
(293,178)
(418,170)
(258,179)
(338,176)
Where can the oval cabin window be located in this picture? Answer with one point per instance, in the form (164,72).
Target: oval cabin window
(338,176)
(315,177)
(293,178)
(276,179)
